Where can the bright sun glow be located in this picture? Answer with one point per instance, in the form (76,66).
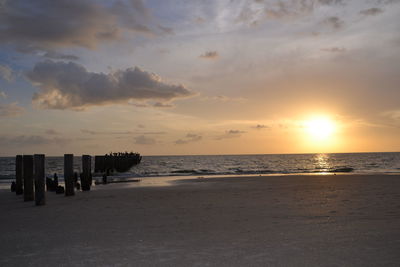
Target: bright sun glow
(320,128)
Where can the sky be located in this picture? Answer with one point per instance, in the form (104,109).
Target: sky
(178,77)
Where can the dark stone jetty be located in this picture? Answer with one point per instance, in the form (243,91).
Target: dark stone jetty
(116,162)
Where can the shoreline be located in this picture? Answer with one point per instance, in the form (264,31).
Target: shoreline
(4,183)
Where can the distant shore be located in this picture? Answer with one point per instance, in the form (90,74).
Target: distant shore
(295,220)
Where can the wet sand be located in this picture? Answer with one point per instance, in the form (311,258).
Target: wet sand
(342,220)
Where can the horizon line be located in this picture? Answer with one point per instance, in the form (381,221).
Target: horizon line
(244,154)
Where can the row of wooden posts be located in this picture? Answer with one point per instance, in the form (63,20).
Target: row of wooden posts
(30,176)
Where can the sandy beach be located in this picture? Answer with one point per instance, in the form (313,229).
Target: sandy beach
(341,220)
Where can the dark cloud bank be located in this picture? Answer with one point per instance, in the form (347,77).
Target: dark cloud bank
(70,86)
(48,24)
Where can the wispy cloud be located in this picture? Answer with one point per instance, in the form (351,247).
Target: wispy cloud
(144,140)
(224,98)
(91,132)
(6,73)
(190,138)
(371,11)
(32,140)
(11,110)
(230,134)
(261,127)
(334,49)
(333,22)
(209,55)
(254,12)
(52,132)
(162,105)
(55,55)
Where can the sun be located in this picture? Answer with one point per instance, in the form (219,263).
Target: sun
(320,128)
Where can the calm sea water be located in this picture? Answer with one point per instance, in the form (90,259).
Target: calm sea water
(153,166)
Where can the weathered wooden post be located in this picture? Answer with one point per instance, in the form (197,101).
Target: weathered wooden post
(27,162)
(40,198)
(18,175)
(99,164)
(69,174)
(86,172)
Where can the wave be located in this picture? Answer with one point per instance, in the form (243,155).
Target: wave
(346,169)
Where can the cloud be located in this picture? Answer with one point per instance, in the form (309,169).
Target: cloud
(143,140)
(70,86)
(11,110)
(52,132)
(56,55)
(162,105)
(48,24)
(294,8)
(166,30)
(91,132)
(6,73)
(86,131)
(230,134)
(209,55)
(371,11)
(235,132)
(31,140)
(155,133)
(3,94)
(330,2)
(333,22)
(334,49)
(190,138)
(392,114)
(261,126)
(255,11)
(221,98)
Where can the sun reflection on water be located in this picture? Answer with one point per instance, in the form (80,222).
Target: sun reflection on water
(322,163)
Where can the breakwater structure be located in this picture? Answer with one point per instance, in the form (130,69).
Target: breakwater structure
(116,162)
(31,181)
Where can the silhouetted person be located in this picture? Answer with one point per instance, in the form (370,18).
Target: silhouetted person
(55,180)
(50,184)
(13,187)
(76,183)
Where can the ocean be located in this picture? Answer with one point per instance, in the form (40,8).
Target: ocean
(208,165)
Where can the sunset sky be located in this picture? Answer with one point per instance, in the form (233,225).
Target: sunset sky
(199,77)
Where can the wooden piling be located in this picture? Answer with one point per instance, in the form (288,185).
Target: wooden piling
(69,174)
(18,175)
(99,164)
(27,162)
(86,173)
(40,198)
